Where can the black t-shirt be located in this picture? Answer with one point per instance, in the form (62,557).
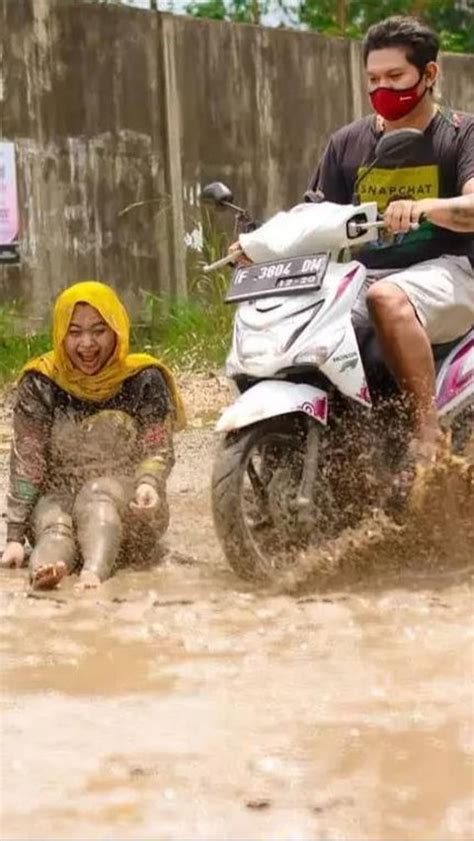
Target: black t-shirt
(437,167)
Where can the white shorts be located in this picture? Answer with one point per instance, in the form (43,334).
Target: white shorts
(440,290)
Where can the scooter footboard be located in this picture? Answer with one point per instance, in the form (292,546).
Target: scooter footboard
(270,398)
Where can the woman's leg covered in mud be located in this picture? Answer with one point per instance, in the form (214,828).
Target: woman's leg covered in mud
(54,551)
(98,513)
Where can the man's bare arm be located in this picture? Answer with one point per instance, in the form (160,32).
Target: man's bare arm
(456,214)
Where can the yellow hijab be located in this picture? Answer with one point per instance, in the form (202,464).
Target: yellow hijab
(98,387)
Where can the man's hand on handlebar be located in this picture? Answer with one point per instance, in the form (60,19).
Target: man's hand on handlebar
(401,213)
(241,259)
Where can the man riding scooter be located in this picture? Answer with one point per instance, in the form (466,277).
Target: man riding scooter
(420,290)
(429,298)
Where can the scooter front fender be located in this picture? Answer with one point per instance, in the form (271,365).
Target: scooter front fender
(271,398)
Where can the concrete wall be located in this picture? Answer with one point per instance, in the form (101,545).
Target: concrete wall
(110,106)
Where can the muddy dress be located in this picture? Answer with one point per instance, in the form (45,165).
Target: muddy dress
(75,466)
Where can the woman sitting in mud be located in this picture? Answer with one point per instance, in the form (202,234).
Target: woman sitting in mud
(92,446)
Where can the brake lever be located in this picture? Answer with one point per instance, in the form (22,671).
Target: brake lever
(224,261)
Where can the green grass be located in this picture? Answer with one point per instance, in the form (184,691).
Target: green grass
(193,334)
(18,343)
(189,335)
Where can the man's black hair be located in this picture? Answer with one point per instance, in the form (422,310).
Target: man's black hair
(420,42)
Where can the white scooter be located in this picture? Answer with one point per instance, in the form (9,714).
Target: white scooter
(313,440)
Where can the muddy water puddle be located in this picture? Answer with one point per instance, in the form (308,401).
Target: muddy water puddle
(178,703)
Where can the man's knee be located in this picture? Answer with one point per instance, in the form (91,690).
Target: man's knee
(388,304)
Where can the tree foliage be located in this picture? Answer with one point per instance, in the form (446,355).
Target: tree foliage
(239,11)
(452,19)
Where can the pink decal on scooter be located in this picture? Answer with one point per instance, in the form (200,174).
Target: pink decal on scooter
(364,394)
(455,379)
(346,280)
(317,408)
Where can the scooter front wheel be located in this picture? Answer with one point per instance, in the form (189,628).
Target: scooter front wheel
(256,477)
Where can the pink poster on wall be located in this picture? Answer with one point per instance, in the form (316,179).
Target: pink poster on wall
(9,216)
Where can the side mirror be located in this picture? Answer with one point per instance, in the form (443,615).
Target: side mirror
(218,193)
(392,147)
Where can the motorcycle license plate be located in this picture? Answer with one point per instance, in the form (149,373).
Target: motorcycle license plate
(280,277)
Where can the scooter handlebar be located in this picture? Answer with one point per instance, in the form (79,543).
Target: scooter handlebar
(353,227)
(224,261)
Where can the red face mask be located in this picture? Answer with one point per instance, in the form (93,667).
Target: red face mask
(393,104)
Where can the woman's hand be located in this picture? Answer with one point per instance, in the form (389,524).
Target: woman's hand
(13,556)
(146,500)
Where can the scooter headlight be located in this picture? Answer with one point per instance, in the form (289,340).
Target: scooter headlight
(250,345)
(256,345)
(319,354)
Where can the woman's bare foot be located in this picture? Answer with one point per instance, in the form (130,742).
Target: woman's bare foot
(88,581)
(47,576)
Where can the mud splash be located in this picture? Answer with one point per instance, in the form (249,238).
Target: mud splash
(436,537)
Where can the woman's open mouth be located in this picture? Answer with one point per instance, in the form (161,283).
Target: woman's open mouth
(89,361)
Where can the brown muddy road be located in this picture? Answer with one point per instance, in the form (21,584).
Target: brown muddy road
(180,704)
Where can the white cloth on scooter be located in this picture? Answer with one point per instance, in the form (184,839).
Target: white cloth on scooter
(304,230)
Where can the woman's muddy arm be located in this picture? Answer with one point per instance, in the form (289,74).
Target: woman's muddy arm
(158,454)
(154,414)
(28,455)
